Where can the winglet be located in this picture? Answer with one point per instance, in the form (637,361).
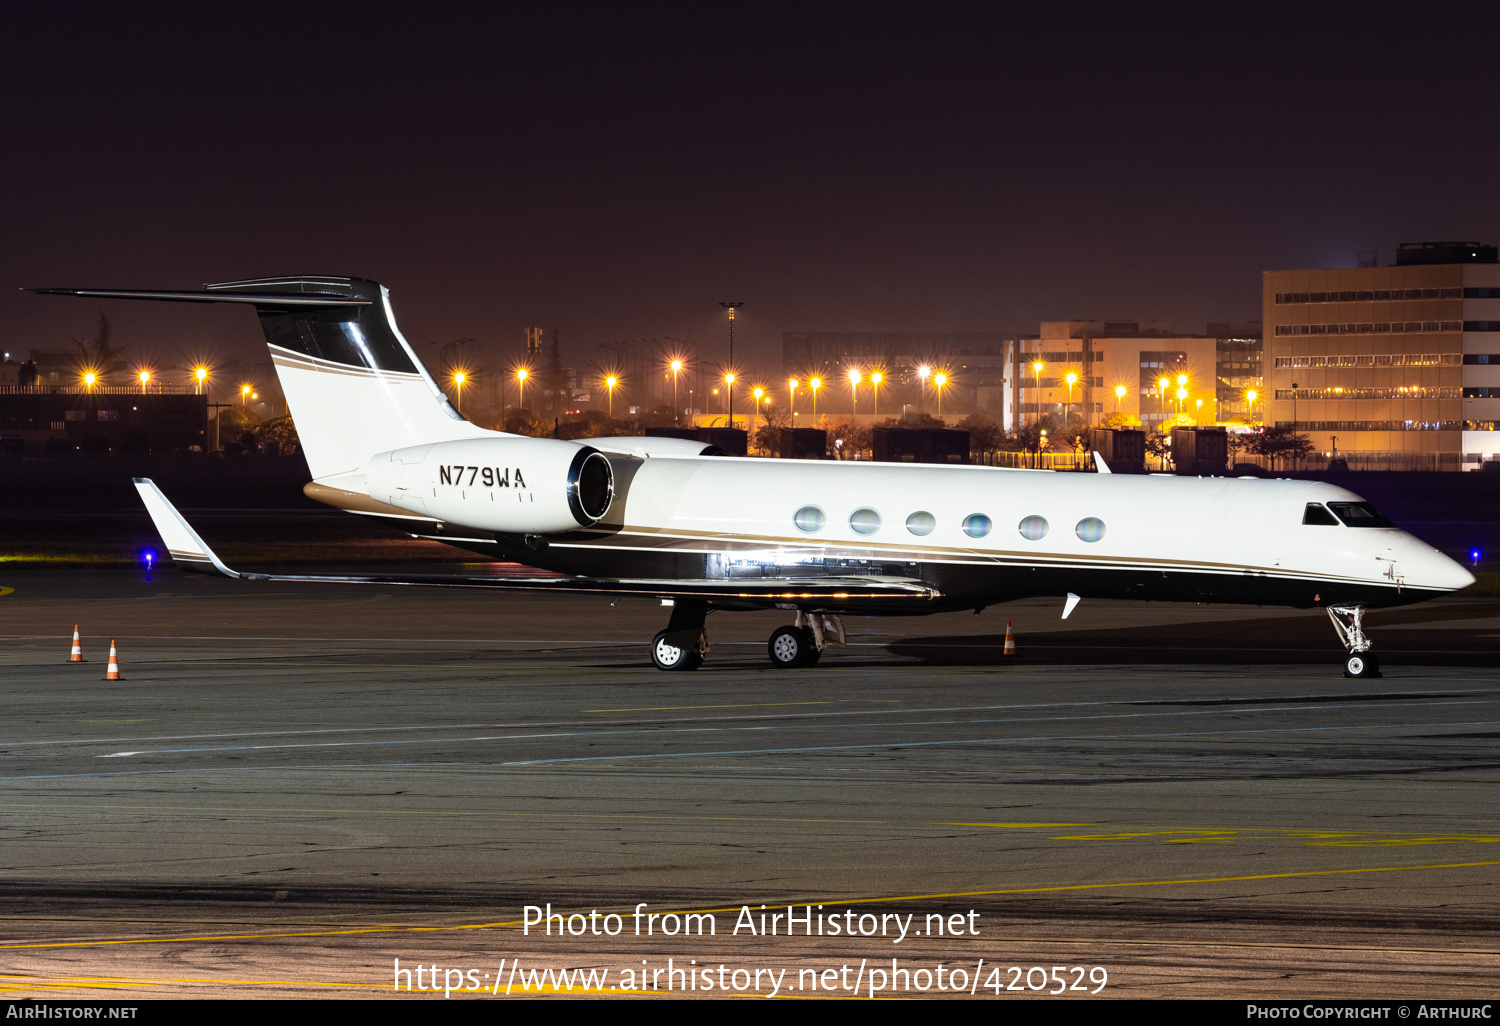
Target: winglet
(1100,466)
(188,550)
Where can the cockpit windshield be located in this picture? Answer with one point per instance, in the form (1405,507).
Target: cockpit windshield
(1359,514)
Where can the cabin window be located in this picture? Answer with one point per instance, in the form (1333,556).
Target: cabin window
(921,523)
(1359,514)
(1033,528)
(977,525)
(809,519)
(1090,529)
(864,521)
(1317,513)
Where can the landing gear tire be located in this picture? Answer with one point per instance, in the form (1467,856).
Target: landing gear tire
(667,656)
(792,647)
(1361,664)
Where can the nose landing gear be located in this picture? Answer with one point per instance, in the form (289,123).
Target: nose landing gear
(1348,621)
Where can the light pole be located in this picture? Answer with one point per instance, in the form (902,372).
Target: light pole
(459,377)
(939,380)
(923,373)
(1036,369)
(854,379)
(244,392)
(609,384)
(815,384)
(731,307)
(757,392)
(1161,394)
(202,375)
(875,380)
(1071,379)
(1119,396)
(729,394)
(676,368)
(145,377)
(521,375)
(791,399)
(1250,397)
(1182,393)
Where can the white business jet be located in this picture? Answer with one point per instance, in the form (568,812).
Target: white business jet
(677,520)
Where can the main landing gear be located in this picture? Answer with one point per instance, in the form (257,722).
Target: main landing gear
(684,643)
(1348,621)
(802,643)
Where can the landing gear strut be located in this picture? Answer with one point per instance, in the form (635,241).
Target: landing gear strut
(1348,621)
(684,643)
(802,644)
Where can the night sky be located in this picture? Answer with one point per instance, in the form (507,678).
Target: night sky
(614,172)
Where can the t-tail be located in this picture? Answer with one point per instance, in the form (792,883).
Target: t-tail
(353,385)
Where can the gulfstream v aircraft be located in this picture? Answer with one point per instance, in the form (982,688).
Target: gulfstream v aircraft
(669,518)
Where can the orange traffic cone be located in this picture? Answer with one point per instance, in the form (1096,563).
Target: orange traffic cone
(113,673)
(1010,640)
(77,656)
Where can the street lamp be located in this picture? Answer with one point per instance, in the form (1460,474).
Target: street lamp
(202,375)
(1161,394)
(676,369)
(731,307)
(939,380)
(145,377)
(1119,395)
(89,377)
(1072,379)
(757,392)
(244,393)
(791,396)
(609,384)
(1181,395)
(1036,368)
(729,387)
(1199,414)
(459,377)
(815,384)
(1250,397)
(875,380)
(521,375)
(854,380)
(923,373)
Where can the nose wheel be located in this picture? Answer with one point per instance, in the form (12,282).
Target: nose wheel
(1348,622)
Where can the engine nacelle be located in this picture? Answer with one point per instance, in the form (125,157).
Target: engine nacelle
(510,485)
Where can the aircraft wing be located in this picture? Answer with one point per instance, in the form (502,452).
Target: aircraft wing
(192,553)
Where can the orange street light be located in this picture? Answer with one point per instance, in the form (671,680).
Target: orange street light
(729,388)
(609,383)
(1072,379)
(1119,395)
(244,392)
(875,380)
(939,380)
(815,384)
(1161,386)
(201,374)
(1181,395)
(89,377)
(1250,397)
(459,377)
(791,393)
(521,375)
(1036,369)
(676,369)
(854,379)
(145,377)
(923,373)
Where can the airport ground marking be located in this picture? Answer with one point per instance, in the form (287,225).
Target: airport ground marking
(6,591)
(512,923)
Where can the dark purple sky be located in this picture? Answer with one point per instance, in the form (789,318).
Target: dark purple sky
(614,174)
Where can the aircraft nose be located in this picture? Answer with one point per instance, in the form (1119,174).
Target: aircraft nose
(1435,570)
